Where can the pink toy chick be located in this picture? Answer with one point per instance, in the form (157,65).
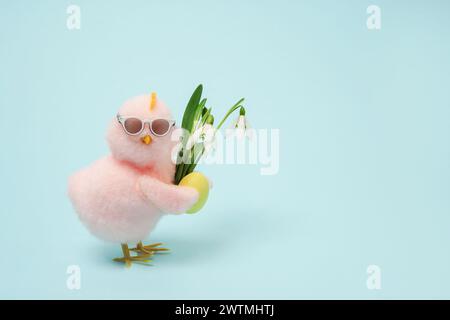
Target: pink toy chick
(121,197)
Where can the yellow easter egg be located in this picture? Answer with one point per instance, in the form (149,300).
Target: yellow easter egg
(200,183)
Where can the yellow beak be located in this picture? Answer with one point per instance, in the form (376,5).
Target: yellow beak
(146,139)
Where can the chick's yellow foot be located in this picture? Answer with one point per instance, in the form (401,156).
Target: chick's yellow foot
(128,259)
(148,249)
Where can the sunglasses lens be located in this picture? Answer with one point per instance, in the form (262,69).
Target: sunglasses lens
(133,125)
(160,126)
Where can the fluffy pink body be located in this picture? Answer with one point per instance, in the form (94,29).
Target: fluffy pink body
(107,198)
(121,197)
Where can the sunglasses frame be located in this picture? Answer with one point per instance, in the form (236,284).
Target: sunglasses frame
(121,119)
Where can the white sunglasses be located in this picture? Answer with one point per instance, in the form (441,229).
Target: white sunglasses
(134,126)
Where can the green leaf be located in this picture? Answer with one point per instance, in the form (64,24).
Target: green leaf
(198,112)
(187,123)
(191,109)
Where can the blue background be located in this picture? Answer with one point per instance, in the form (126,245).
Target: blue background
(364,157)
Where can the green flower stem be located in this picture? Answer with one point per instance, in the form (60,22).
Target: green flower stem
(179,172)
(232,109)
(186,168)
(194,164)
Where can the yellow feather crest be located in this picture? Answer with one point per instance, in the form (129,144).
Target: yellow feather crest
(152,101)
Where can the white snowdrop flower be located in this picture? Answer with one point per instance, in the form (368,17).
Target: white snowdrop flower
(241,128)
(208,137)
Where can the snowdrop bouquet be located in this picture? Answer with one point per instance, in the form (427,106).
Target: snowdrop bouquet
(197,140)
